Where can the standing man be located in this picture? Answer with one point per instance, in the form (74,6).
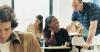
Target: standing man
(11,41)
(88,15)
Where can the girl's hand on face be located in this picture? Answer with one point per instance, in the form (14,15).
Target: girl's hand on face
(66,44)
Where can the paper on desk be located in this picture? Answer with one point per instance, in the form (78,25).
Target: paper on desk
(78,40)
(74,33)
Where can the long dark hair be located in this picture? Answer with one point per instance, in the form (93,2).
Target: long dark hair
(47,22)
(40,18)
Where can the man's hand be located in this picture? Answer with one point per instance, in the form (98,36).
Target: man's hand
(85,45)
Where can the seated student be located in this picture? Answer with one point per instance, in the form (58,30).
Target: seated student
(36,28)
(11,41)
(75,28)
(55,36)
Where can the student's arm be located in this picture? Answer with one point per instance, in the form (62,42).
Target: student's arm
(36,46)
(31,43)
(50,41)
(67,38)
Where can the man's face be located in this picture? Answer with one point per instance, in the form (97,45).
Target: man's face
(76,5)
(5,31)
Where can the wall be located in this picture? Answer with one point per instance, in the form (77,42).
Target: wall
(97,2)
(7,2)
(26,11)
(63,11)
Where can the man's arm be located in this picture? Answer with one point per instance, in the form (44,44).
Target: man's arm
(92,31)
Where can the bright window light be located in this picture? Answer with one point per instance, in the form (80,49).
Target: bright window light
(26,10)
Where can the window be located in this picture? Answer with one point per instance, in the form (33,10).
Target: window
(8,2)
(26,10)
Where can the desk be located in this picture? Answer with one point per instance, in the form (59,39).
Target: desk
(55,47)
(92,48)
(77,40)
(74,34)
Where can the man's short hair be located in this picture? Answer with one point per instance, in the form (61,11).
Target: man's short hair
(7,14)
(80,1)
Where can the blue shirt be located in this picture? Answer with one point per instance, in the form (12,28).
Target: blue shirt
(91,12)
